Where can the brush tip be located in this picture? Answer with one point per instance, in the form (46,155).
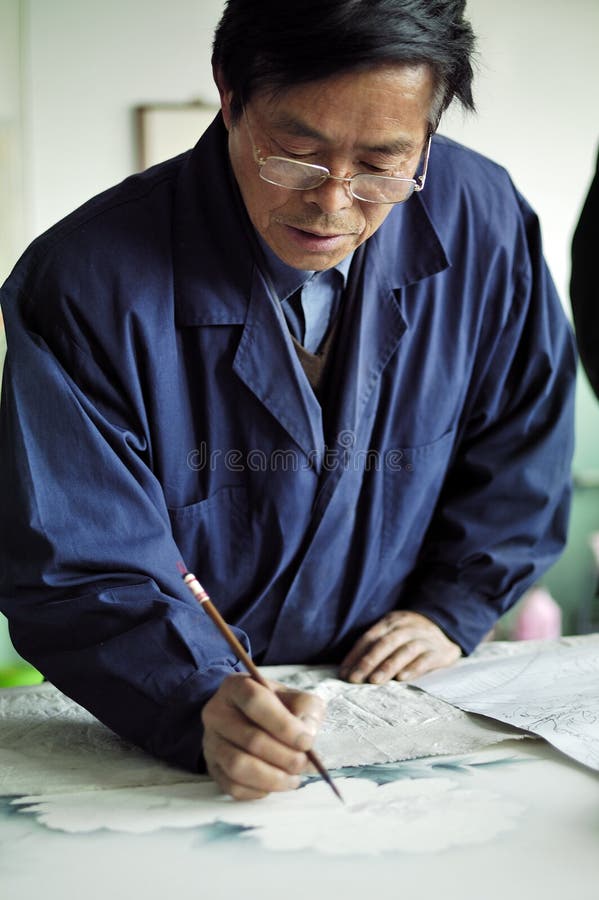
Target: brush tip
(337,792)
(182,569)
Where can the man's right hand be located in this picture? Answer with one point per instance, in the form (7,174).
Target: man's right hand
(255,741)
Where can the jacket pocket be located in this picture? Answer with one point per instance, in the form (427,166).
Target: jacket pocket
(213,536)
(413,480)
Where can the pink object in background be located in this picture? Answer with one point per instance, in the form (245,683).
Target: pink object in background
(538,617)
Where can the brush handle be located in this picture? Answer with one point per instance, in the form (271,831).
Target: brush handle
(234,643)
(204,600)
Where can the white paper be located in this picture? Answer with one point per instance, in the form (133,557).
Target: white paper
(367,724)
(422,815)
(549,688)
(50,743)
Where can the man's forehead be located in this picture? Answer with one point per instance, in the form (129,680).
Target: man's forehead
(385,106)
(285,121)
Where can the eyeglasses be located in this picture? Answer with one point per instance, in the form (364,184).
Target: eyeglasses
(300,176)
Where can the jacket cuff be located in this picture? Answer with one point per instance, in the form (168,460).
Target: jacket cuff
(178,733)
(464,615)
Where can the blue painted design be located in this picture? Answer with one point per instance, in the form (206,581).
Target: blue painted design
(384,773)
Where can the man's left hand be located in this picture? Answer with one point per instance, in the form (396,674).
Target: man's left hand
(402,645)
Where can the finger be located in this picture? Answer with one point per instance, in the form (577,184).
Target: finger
(422,664)
(308,708)
(362,645)
(266,710)
(241,775)
(415,657)
(236,729)
(377,653)
(429,661)
(400,662)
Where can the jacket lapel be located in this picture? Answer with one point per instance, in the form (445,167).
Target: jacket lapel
(218,282)
(268,365)
(374,322)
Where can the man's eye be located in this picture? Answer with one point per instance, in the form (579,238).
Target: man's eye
(379,170)
(293,154)
(375,170)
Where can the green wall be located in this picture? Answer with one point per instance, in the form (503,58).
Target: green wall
(573,579)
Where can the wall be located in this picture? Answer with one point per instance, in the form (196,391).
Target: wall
(85,65)
(88,65)
(11,207)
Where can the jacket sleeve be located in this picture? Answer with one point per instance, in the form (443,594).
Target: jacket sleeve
(88,576)
(584,285)
(502,517)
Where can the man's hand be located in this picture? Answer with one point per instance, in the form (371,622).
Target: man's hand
(402,645)
(255,741)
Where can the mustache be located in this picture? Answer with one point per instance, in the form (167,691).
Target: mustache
(322,225)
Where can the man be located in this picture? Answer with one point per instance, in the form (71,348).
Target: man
(320,359)
(583,281)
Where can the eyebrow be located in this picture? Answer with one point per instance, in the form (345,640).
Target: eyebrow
(302,129)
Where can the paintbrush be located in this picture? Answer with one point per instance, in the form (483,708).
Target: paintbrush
(204,600)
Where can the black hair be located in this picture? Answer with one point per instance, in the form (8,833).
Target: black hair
(271,45)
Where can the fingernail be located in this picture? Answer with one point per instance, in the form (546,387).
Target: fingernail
(356,677)
(377,677)
(312,724)
(304,741)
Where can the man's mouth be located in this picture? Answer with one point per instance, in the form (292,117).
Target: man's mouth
(315,240)
(320,234)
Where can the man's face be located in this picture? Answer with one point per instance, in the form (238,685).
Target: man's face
(374,121)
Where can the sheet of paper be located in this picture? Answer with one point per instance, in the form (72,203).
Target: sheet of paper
(367,724)
(49,743)
(421,815)
(548,688)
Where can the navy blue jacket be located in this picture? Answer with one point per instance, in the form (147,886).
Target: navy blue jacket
(154,409)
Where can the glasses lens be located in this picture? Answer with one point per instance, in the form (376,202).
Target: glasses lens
(380,189)
(290,174)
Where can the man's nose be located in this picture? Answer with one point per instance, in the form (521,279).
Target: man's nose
(332,195)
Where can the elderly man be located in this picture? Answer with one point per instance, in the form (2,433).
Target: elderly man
(320,359)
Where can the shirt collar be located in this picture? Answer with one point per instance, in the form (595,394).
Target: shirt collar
(288,280)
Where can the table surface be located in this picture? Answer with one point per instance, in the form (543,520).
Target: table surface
(549,849)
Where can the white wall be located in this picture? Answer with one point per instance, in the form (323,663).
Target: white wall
(9,59)
(537,93)
(11,188)
(88,63)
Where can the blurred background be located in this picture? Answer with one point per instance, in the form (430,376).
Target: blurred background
(74,73)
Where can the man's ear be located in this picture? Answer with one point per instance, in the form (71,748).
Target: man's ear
(226,95)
